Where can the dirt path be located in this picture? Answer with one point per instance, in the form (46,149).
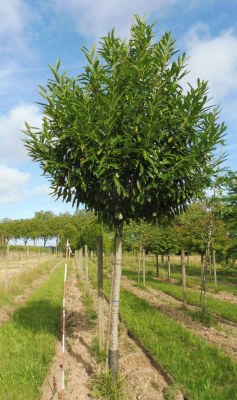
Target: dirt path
(7,311)
(142,379)
(225,337)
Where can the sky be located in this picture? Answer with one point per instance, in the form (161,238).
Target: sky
(36,33)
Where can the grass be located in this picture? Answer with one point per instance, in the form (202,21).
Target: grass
(22,281)
(226,277)
(87,300)
(105,387)
(201,369)
(205,371)
(99,355)
(219,307)
(28,341)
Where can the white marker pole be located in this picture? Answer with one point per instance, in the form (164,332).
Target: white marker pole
(63,331)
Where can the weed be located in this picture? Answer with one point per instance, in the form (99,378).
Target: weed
(100,355)
(105,387)
(205,317)
(90,313)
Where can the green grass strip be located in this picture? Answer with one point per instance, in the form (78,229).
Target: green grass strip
(222,308)
(196,281)
(206,372)
(27,342)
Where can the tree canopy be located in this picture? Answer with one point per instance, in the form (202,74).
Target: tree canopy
(123,137)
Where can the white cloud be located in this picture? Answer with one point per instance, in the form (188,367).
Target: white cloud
(13,185)
(14,17)
(12,149)
(213,59)
(95,18)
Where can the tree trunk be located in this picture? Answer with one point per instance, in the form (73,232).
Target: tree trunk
(86,263)
(203,297)
(6,270)
(139,264)
(113,346)
(214,267)
(100,292)
(162,264)
(202,265)
(157,265)
(183,278)
(168,265)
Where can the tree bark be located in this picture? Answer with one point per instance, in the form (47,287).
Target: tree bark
(100,292)
(113,346)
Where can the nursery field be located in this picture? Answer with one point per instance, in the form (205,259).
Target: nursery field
(166,351)
(196,350)
(15,263)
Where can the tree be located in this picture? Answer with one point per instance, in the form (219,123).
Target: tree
(229,200)
(45,219)
(125,139)
(89,236)
(202,230)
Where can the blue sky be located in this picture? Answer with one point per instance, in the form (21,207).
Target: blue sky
(35,33)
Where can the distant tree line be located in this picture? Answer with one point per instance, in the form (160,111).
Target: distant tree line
(212,220)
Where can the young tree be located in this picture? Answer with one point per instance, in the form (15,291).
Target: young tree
(124,138)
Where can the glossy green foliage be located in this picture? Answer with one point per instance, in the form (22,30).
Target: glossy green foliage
(123,137)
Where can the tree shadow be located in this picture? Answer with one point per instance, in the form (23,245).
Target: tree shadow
(77,322)
(39,316)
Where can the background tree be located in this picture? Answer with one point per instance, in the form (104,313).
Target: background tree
(229,214)
(125,139)
(89,236)
(45,220)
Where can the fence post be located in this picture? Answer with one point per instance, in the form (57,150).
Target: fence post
(100,291)
(6,270)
